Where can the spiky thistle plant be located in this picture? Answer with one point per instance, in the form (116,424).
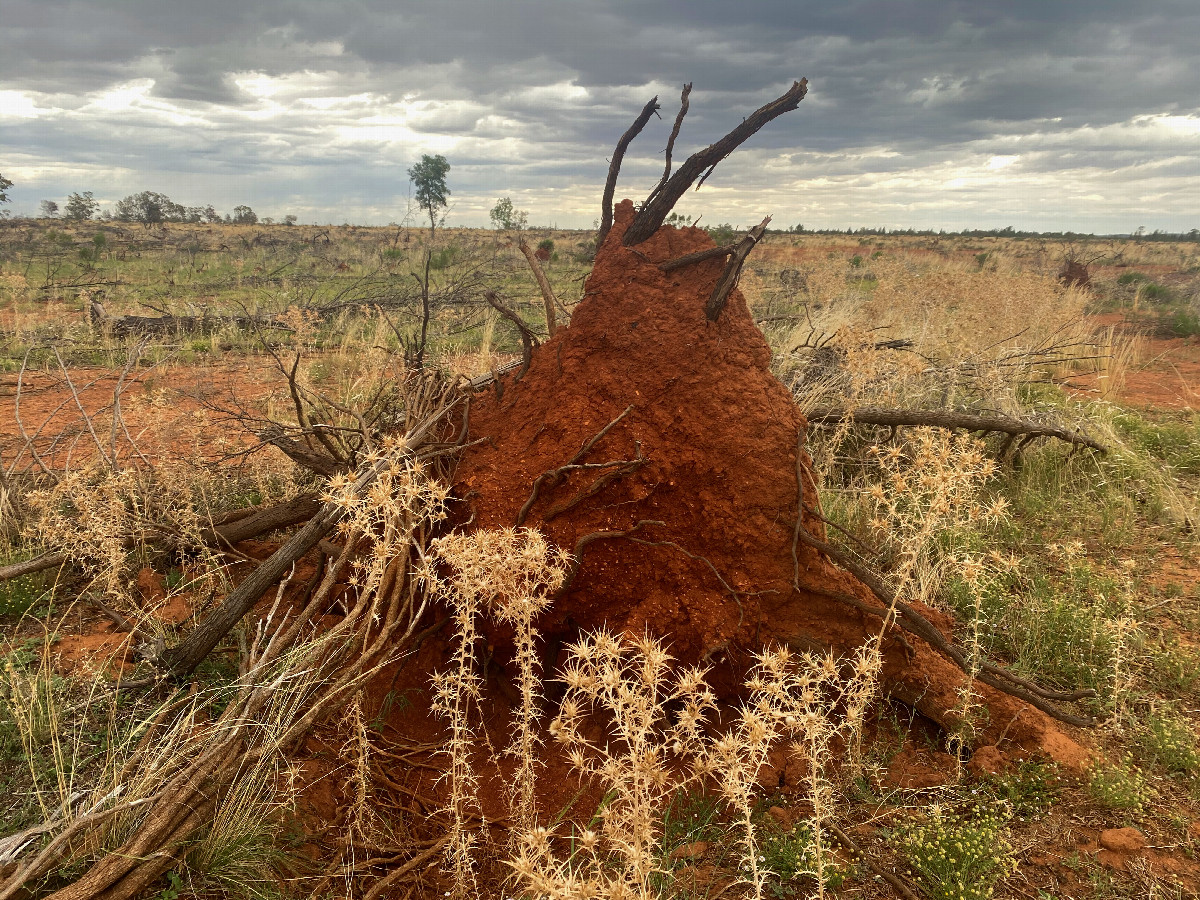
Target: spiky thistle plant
(813,701)
(513,573)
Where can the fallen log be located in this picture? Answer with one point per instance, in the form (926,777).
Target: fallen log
(949,419)
(322,463)
(168,324)
(48,560)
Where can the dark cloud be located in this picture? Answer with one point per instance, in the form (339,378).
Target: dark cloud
(531,94)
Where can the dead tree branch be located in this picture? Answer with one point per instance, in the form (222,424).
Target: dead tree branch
(655,211)
(582,543)
(182,660)
(683,110)
(528,339)
(733,269)
(539,276)
(619,469)
(698,257)
(249,523)
(48,560)
(551,479)
(321,463)
(898,418)
(614,167)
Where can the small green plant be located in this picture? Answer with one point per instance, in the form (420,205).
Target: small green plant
(955,856)
(790,856)
(691,815)
(1119,785)
(19,595)
(1169,740)
(174,578)
(444,258)
(1029,788)
(1157,293)
(173,888)
(1185,323)
(1176,669)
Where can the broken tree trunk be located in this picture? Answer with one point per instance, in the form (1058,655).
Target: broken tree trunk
(733,269)
(614,166)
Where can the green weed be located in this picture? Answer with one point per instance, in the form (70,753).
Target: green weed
(790,856)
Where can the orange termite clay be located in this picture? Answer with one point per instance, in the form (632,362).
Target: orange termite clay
(718,435)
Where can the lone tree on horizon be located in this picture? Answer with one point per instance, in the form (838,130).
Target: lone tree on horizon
(429,178)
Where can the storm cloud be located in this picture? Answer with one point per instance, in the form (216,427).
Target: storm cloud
(1044,115)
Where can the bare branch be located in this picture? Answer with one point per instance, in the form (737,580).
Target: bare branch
(528,341)
(614,167)
(655,211)
(936,418)
(683,109)
(733,269)
(544,283)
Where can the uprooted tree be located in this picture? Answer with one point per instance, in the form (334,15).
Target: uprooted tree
(650,439)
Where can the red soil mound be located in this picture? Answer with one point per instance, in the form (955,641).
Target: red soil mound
(718,434)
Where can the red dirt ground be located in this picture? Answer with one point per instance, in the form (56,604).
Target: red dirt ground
(1168,377)
(161,409)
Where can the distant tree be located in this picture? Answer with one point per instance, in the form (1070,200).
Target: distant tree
(5,184)
(211,216)
(679,220)
(289,219)
(80,207)
(194,214)
(429,178)
(49,209)
(504,216)
(149,208)
(244,215)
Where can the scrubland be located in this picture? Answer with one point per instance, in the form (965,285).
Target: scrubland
(125,442)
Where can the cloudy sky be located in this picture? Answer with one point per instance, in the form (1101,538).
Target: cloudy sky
(1043,114)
